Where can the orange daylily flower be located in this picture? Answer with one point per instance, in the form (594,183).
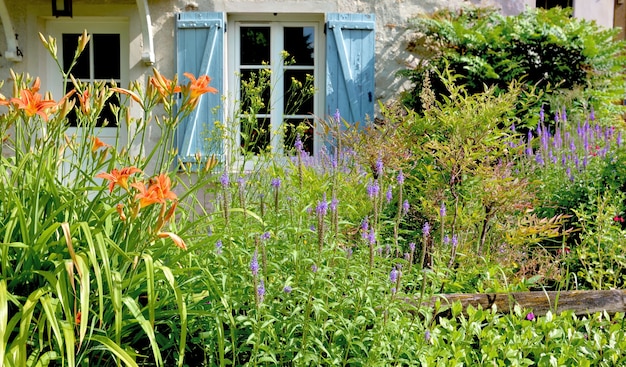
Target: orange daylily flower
(198,87)
(32,102)
(164,86)
(118,177)
(157,192)
(96,144)
(176,238)
(84,102)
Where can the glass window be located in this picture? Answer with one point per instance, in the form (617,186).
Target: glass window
(275,70)
(547,4)
(100,61)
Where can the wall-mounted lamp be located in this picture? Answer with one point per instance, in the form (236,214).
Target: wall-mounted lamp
(62,8)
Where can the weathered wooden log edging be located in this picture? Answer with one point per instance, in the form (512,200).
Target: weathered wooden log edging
(539,302)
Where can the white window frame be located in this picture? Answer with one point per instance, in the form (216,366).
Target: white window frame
(94,25)
(275,22)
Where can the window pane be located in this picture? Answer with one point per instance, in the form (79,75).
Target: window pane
(548,4)
(255,45)
(255,134)
(254,96)
(81,69)
(302,128)
(106,115)
(299,92)
(299,45)
(106,56)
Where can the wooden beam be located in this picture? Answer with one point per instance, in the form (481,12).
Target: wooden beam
(581,302)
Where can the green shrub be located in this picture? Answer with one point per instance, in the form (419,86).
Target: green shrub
(561,60)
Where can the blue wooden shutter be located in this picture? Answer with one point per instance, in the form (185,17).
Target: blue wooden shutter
(200,51)
(350,42)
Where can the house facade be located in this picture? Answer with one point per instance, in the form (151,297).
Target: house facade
(346,52)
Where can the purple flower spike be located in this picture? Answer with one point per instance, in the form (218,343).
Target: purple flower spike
(592,114)
(337,116)
(314,268)
(389,195)
(218,247)
(400,178)
(372,189)
(405,206)
(298,144)
(260,291)
(412,246)
(541,114)
(372,237)
(287,289)
(266,236)
(322,207)
(379,166)
(426,229)
(276,182)
(333,204)
(393,275)
(224,179)
(254,263)
(442,210)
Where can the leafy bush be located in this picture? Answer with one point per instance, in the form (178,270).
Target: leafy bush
(560,59)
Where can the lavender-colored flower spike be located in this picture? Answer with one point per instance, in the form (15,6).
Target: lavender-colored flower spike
(333,204)
(372,236)
(266,236)
(541,114)
(442,210)
(224,179)
(412,246)
(426,229)
(287,289)
(298,144)
(592,114)
(218,247)
(260,291)
(400,178)
(314,268)
(254,263)
(372,189)
(337,116)
(405,206)
(393,275)
(322,207)
(446,240)
(276,182)
(389,195)
(379,166)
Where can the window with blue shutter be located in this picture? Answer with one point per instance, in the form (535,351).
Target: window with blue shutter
(200,51)
(350,58)
(349,66)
